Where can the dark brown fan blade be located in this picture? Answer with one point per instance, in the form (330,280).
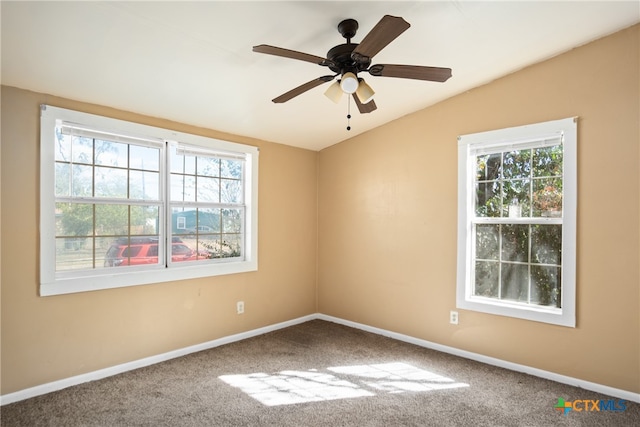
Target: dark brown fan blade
(302,89)
(364,108)
(381,35)
(287,53)
(434,74)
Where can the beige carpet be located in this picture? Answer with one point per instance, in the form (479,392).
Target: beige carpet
(317,374)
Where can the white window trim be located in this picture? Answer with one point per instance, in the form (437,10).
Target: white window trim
(52,283)
(565,316)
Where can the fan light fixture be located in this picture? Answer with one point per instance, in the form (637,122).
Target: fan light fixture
(350,84)
(334,92)
(364,92)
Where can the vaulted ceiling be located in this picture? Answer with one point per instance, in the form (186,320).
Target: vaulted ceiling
(192,62)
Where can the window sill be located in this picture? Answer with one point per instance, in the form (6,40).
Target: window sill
(551,315)
(130,277)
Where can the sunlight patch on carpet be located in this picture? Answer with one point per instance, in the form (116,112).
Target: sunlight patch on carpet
(398,377)
(290,387)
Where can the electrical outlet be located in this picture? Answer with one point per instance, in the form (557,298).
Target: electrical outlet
(453,317)
(240,307)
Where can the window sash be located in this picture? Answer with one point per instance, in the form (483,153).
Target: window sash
(541,290)
(501,148)
(163,258)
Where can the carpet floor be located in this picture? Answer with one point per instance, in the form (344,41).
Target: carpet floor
(319,373)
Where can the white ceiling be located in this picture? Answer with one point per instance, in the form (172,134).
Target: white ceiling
(192,61)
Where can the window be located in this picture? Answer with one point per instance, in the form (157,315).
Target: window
(126,204)
(517,222)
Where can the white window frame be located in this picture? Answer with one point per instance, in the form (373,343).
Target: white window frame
(56,283)
(502,140)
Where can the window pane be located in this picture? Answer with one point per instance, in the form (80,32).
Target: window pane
(183,220)
(208,189)
(63,146)
(180,252)
(112,220)
(208,166)
(514,282)
(82,181)
(74,253)
(516,198)
(232,220)
(151,252)
(111,183)
(74,219)
(102,245)
(134,251)
(486,279)
(112,257)
(209,220)
(183,188)
(515,243)
(205,245)
(109,153)
(224,246)
(82,150)
(488,167)
(145,158)
(63,179)
(546,285)
(547,197)
(488,201)
(231,168)
(231,245)
(182,164)
(516,164)
(140,250)
(144,185)
(145,220)
(231,191)
(487,241)
(546,244)
(547,161)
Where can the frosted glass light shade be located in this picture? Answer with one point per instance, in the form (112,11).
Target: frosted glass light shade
(334,92)
(349,83)
(364,92)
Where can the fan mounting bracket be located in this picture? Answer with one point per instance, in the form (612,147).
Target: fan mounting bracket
(348,28)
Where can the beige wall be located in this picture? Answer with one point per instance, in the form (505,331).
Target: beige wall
(388,210)
(384,207)
(51,338)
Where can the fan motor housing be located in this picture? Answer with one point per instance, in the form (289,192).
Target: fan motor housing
(341,56)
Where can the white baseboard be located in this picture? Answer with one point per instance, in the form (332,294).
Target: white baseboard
(129,366)
(563,379)
(118,369)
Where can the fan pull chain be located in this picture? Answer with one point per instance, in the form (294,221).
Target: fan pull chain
(349,113)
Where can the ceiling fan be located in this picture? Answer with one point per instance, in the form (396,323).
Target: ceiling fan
(348,59)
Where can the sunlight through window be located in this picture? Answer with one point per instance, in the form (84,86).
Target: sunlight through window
(344,382)
(289,387)
(398,377)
